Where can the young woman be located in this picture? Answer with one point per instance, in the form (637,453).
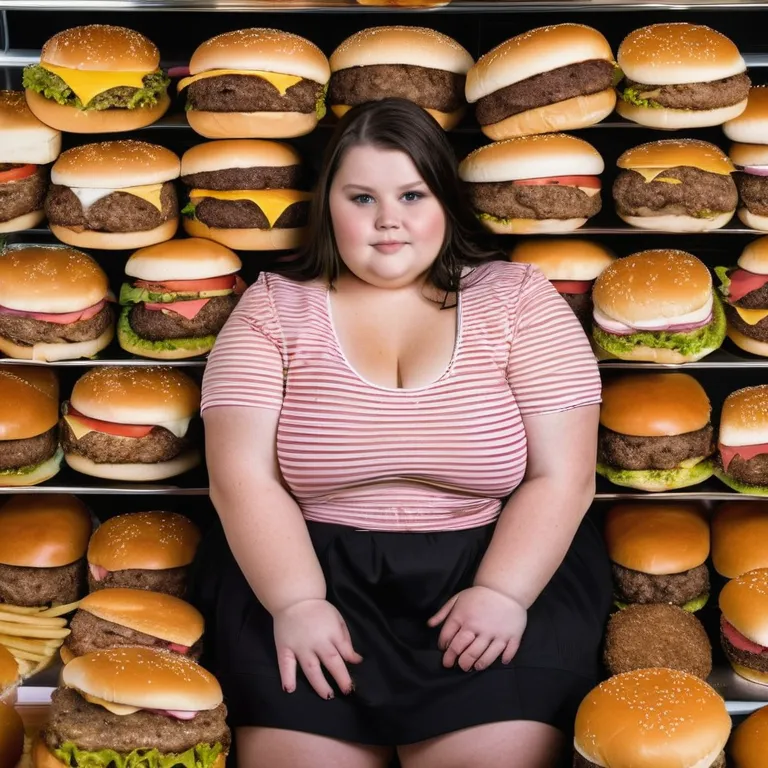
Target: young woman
(401,437)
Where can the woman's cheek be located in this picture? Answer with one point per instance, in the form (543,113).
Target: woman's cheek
(348,226)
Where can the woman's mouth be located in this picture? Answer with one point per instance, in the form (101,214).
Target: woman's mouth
(389,246)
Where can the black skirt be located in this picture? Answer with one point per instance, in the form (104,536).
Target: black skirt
(386,585)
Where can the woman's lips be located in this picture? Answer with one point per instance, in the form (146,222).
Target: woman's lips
(389,247)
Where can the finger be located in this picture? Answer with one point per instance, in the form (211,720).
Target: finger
(510,650)
(474,651)
(448,632)
(286,663)
(492,652)
(348,653)
(441,615)
(332,660)
(312,669)
(459,644)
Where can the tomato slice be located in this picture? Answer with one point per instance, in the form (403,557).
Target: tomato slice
(193,286)
(110,427)
(572,286)
(589,182)
(17,174)
(744,282)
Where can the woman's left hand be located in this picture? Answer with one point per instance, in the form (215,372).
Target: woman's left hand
(480,625)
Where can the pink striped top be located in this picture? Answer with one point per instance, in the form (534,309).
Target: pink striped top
(440,457)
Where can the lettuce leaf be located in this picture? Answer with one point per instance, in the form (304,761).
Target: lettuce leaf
(632,96)
(320,109)
(130,295)
(200,756)
(737,485)
(657,479)
(57,457)
(188,210)
(725,280)
(128,337)
(618,75)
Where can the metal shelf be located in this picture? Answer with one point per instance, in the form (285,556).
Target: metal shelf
(720,358)
(139,362)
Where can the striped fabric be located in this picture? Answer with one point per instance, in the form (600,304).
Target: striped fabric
(440,457)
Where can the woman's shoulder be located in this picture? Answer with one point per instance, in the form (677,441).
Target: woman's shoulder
(275,298)
(498,278)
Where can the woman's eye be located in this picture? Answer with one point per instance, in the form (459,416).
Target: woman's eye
(411,197)
(364,199)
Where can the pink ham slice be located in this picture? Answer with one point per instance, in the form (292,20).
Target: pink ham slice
(737,640)
(98,572)
(60,318)
(184,649)
(188,309)
(743,282)
(747,452)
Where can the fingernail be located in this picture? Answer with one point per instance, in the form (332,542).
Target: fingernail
(287,689)
(329,697)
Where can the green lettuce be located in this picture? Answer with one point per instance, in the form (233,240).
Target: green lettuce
(320,102)
(725,280)
(737,485)
(40,80)
(127,337)
(200,756)
(707,213)
(618,75)
(699,342)
(189,210)
(57,457)
(130,295)
(632,96)
(657,479)
(691,606)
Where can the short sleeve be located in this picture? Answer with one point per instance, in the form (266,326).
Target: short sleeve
(551,364)
(245,367)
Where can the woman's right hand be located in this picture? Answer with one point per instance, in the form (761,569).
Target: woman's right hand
(313,634)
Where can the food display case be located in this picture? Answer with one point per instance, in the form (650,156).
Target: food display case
(179,26)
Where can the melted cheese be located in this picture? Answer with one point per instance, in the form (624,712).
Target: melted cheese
(149,192)
(88,84)
(281,82)
(178,428)
(78,428)
(650,174)
(115,709)
(752,316)
(272,202)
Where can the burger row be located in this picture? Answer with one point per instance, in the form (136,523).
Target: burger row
(131,692)
(266,83)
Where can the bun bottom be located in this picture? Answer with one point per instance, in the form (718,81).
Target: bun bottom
(753,675)
(654,355)
(753,346)
(670,223)
(135,473)
(752,220)
(163,354)
(251,125)
(673,119)
(66,655)
(446,120)
(25,221)
(43,472)
(247,239)
(74,120)
(568,115)
(116,241)
(52,353)
(532,226)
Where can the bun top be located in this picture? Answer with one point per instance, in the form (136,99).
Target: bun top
(747,747)
(152,541)
(653,285)
(658,539)
(744,417)
(11,737)
(190,259)
(29,401)
(24,138)
(740,537)
(101,47)
(136,395)
(237,153)
(144,678)
(415,46)
(744,604)
(677,53)
(754,257)
(45,278)
(748,154)
(152,613)
(751,124)
(45,531)
(115,165)
(564,258)
(532,53)
(532,157)
(654,405)
(269,50)
(652,718)
(669,153)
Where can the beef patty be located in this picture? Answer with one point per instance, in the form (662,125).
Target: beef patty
(26,331)
(750,471)
(676,588)
(30,451)
(171,581)
(23,196)
(243,214)
(665,452)
(581,304)
(756,661)
(279,177)
(155,325)
(42,586)
(753,192)
(582,762)
(712,95)
(758,331)
(507,200)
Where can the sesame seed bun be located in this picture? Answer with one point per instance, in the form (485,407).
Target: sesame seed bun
(750,126)
(275,239)
(189,259)
(652,718)
(678,53)
(666,119)
(46,531)
(654,405)
(29,402)
(657,538)
(669,153)
(747,747)
(744,604)
(237,153)
(11,737)
(740,537)
(564,258)
(24,139)
(744,418)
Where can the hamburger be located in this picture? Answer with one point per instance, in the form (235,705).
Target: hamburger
(256,84)
(29,435)
(54,304)
(681,75)
(11,737)
(97,79)
(119,617)
(657,306)
(742,462)
(150,707)
(655,432)
(114,195)
(414,63)
(534,184)
(675,185)
(129,423)
(571,265)
(747,747)
(143,550)
(658,554)
(652,718)
(247,195)
(27,146)
(182,294)
(743,620)
(740,537)
(554,78)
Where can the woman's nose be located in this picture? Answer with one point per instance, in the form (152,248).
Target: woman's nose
(387,217)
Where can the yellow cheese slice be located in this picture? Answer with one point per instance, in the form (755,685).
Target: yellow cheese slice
(78,428)
(281,82)
(87,84)
(650,174)
(148,192)
(115,709)
(752,316)
(272,202)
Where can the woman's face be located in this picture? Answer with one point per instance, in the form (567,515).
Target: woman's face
(388,225)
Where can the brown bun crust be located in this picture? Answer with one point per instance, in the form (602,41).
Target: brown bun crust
(145,541)
(248,239)
(53,352)
(116,241)
(641,708)
(251,125)
(747,747)
(669,153)
(657,538)
(740,537)
(11,737)
(20,223)
(744,418)
(29,402)
(744,604)
(749,127)
(654,405)
(152,613)
(43,531)
(136,473)
(237,153)
(25,138)
(446,120)
(9,677)
(564,258)
(74,120)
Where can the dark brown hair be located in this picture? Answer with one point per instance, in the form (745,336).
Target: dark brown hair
(400,125)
